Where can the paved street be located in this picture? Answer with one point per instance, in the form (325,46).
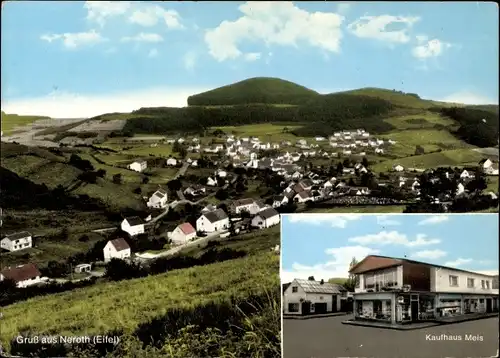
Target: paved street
(329,338)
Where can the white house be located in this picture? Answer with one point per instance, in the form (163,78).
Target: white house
(133,225)
(247,204)
(279,201)
(303,196)
(398,168)
(18,241)
(221,173)
(212,221)
(379,151)
(465,174)
(303,297)
(386,286)
(172,162)
(22,275)
(460,189)
(138,166)
(183,233)
(116,249)
(80,268)
(211,182)
(158,199)
(266,218)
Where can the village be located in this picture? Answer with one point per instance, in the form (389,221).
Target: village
(293,177)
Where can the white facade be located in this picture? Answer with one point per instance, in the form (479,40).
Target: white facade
(178,236)
(444,280)
(138,166)
(294,295)
(26,283)
(132,230)
(16,244)
(252,208)
(262,222)
(110,252)
(158,201)
(172,162)
(203,224)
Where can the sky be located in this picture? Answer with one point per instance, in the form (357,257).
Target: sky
(78,59)
(323,245)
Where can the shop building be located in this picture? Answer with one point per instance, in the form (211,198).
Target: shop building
(405,291)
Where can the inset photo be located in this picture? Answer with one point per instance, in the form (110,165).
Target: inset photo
(399,285)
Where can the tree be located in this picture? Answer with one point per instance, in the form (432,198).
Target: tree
(137,190)
(174,185)
(419,150)
(221,194)
(350,283)
(346,163)
(365,162)
(145,180)
(117,178)
(311,278)
(340,168)
(101,173)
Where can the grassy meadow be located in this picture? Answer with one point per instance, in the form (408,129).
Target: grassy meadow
(124,305)
(11,121)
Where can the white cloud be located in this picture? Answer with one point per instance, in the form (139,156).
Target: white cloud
(429,254)
(151,15)
(153,53)
(385,220)
(436,219)
(338,266)
(189,60)
(467,97)
(430,48)
(375,27)
(393,238)
(143,37)
(252,56)
(457,262)
(66,105)
(101,11)
(274,23)
(335,220)
(75,39)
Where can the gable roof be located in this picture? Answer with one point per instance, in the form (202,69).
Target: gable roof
(17,235)
(216,215)
(186,228)
(134,220)
(375,262)
(21,273)
(120,244)
(160,193)
(268,213)
(310,286)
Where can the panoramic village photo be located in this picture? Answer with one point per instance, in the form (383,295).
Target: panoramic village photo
(151,150)
(390,285)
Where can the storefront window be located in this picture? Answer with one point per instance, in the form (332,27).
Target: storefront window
(426,308)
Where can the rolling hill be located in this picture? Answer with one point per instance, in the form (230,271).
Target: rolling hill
(11,121)
(258,90)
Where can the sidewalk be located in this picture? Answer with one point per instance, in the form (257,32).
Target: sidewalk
(322,315)
(419,325)
(400,327)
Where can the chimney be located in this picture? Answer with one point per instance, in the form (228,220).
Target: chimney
(322,282)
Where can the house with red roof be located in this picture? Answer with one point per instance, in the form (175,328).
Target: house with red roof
(183,233)
(22,275)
